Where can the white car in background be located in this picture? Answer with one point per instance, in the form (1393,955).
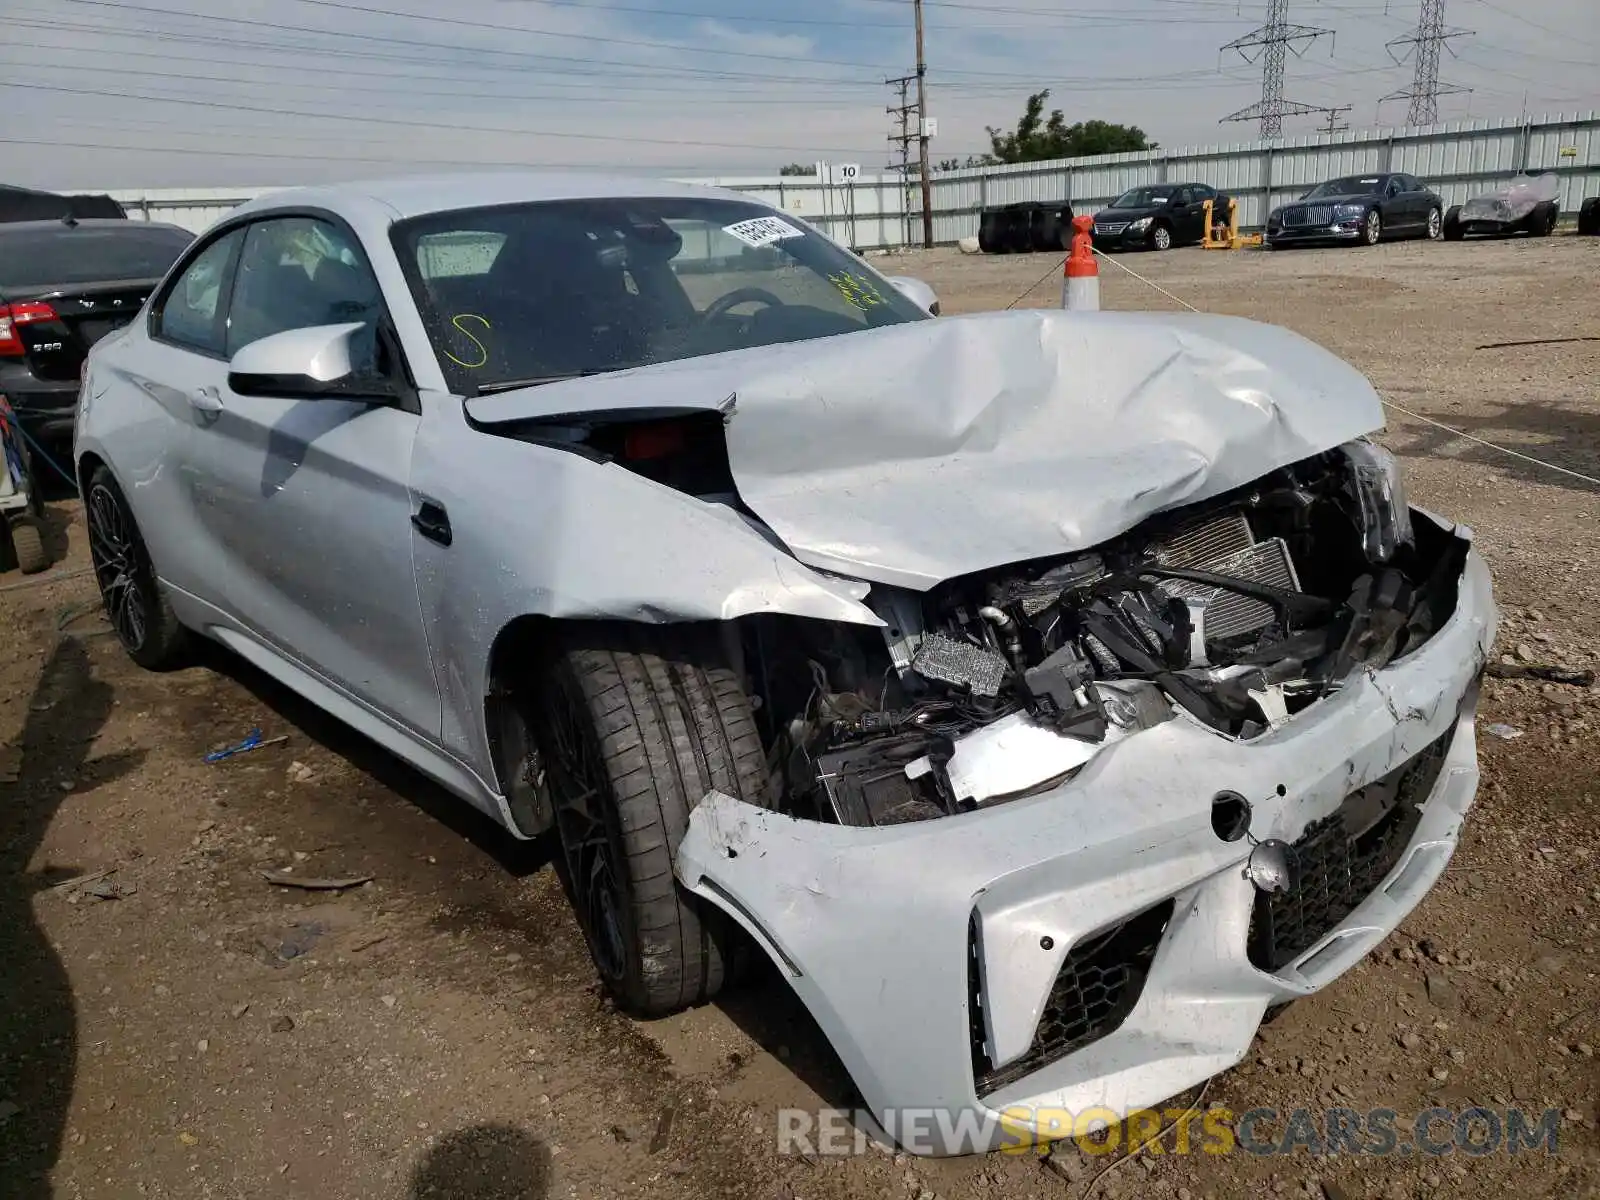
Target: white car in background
(1048,695)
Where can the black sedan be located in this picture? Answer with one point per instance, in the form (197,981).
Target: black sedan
(1359,210)
(63,286)
(1156,217)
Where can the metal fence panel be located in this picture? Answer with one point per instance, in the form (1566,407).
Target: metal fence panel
(1458,158)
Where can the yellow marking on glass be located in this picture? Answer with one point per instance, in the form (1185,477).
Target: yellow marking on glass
(483,351)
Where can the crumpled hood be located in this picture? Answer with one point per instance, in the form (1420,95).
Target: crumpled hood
(916,453)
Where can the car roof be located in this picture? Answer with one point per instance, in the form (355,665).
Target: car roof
(57,225)
(418,195)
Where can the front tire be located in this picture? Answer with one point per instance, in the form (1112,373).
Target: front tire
(1160,238)
(1372,228)
(1452,225)
(135,604)
(637,724)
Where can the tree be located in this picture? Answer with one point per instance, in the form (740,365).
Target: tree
(973,160)
(798,169)
(1037,138)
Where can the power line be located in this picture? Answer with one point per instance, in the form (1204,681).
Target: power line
(1566,35)
(609,39)
(1423,45)
(1108,18)
(450,93)
(416,124)
(1271,42)
(1181,80)
(435,47)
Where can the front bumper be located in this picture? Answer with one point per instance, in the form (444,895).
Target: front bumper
(1124,239)
(1345,230)
(928,952)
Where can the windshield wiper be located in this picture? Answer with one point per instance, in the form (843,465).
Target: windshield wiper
(511,385)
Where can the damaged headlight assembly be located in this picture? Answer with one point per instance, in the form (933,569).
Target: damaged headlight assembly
(1380,495)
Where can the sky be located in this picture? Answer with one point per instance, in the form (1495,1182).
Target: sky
(224,93)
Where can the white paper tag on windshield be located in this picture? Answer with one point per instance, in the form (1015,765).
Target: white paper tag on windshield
(763,231)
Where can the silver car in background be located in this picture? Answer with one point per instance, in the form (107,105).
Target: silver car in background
(1048,695)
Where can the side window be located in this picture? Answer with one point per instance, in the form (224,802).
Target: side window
(1183,196)
(296,272)
(1397,184)
(193,309)
(1202,193)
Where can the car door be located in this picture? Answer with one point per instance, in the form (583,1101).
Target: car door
(1396,206)
(1185,223)
(303,505)
(170,363)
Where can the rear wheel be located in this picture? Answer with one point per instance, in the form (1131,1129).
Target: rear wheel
(1372,228)
(1435,225)
(138,610)
(636,725)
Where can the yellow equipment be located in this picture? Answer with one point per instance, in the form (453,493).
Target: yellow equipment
(1227,237)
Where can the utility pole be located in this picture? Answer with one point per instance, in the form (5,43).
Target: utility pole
(1334,124)
(922,133)
(1270,43)
(1424,42)
(903,136)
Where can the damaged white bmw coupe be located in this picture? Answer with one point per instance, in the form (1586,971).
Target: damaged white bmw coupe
(1049,695)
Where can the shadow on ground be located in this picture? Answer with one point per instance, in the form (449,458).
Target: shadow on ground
(483,1162)
(518,858)
(1566,438)
(766,1008)
(38,1020)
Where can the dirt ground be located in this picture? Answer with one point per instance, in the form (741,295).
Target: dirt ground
(438,1032)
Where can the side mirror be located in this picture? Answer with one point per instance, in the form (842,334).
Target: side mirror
(917,292)
(318,362)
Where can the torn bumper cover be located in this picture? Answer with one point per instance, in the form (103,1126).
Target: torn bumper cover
(1100,945)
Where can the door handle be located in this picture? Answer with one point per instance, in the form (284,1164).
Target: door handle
(432,522)
(206,400)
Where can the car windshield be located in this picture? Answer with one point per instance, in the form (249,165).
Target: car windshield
(58,255)
(1143,197)
(1350,185)
(537,292)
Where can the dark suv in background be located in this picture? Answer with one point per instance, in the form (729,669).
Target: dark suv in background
(1157,216)
(64,285)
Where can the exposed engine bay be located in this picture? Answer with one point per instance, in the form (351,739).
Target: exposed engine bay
(1238,613)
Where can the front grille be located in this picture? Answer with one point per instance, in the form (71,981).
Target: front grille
(1313,214)
(1098,985)
(1340,860)
(1110,228)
